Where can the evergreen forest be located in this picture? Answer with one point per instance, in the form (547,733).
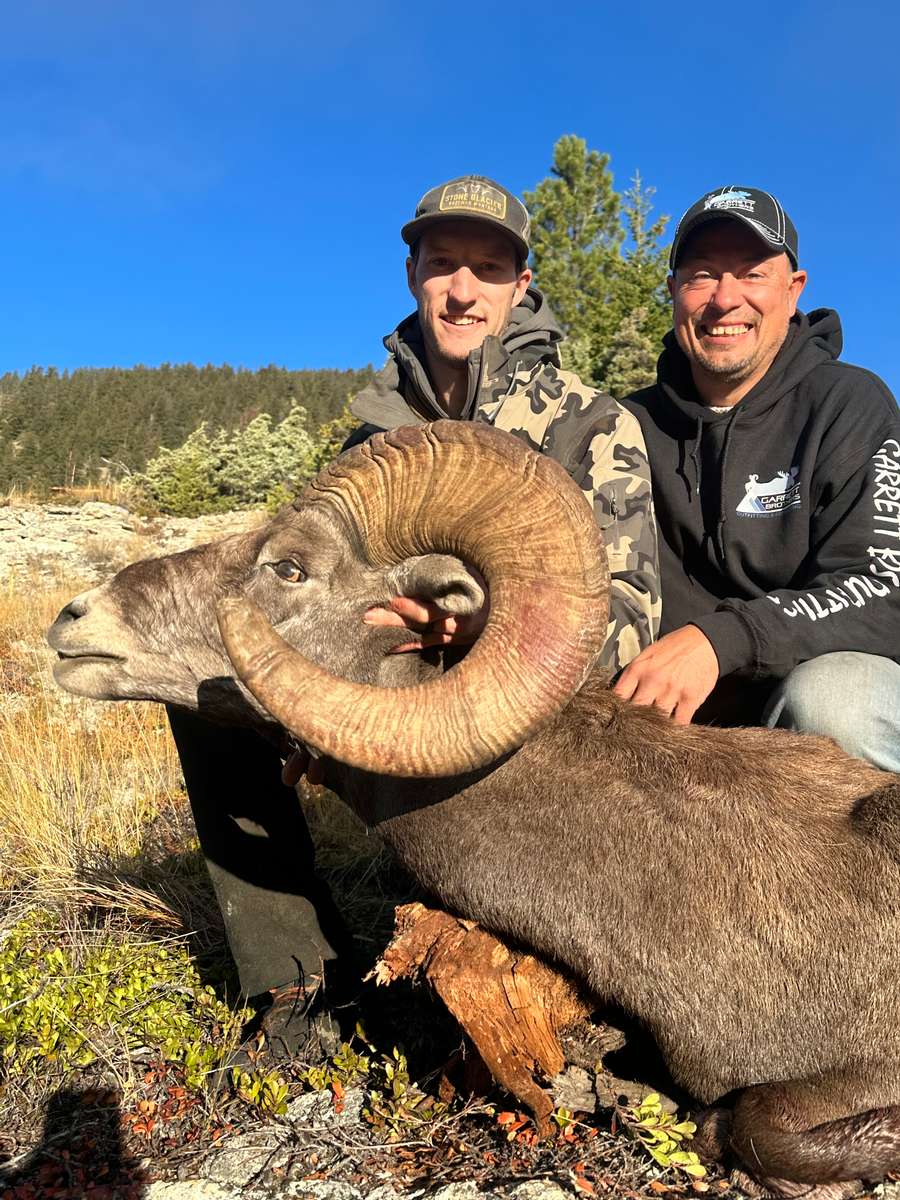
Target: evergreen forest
(59,429)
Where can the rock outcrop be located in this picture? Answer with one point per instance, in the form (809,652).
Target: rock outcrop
(93,540)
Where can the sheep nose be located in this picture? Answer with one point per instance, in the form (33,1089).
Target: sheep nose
(74,609)
(57,632)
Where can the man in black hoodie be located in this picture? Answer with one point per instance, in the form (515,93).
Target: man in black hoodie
(481,346)
(776,480)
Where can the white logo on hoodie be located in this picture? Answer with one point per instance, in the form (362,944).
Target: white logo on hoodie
(770,499)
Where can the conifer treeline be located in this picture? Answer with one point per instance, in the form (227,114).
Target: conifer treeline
(58,428)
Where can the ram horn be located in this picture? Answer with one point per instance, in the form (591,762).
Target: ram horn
(451,488)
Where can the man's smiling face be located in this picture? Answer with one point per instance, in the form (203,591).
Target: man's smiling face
(466,281)
(732,303)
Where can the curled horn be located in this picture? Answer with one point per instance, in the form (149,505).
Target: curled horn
(452,488)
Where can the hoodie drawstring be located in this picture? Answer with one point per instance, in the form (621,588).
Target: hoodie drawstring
(695,457)
(720,528)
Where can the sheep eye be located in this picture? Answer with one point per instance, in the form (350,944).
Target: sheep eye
(289,570)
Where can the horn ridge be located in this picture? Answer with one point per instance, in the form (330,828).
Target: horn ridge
(473,491)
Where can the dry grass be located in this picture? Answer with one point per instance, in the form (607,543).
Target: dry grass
(78,780)
(93,816)
(68,791)
(110,492)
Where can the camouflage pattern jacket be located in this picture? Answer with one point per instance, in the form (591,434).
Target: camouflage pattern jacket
(516,383)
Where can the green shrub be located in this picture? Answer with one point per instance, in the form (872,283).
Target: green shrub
(258,459)
(662,1134)
(260,464)
(183,482)
(395,1105)
(65,1009)
(264,1090)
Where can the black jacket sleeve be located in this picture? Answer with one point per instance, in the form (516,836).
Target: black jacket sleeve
(846,594)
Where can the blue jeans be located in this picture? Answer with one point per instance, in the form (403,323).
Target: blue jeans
(851,697)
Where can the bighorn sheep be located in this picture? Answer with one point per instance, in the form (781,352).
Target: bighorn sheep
(737,890)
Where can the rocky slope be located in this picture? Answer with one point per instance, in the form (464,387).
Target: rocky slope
(91,541)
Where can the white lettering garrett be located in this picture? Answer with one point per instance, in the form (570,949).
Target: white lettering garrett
(886,496)
(884,561)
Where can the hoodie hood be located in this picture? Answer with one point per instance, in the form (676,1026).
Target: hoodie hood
(402,392)
(707,437)
(812,339)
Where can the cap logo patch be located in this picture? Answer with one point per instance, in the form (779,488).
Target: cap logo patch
(730,198)
(470,196)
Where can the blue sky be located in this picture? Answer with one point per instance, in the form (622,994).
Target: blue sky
(226,182)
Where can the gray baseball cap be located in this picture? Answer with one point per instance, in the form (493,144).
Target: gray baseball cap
(471,198)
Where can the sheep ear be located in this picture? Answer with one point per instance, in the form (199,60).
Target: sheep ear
(442,580)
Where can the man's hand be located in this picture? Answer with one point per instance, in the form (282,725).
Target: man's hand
(676,674)
(300,763)
(405,612)
(435,626)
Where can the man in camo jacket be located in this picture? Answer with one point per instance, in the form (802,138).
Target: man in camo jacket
(482,345)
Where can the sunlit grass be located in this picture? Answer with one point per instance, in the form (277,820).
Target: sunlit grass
(68,791)
(77,779)
(110,492)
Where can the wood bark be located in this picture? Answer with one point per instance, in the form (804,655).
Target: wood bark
(511,1005)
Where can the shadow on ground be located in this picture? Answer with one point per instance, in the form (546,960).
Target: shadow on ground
(80,1153)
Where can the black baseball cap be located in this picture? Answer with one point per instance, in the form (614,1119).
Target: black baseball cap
(471,198)
(758,210)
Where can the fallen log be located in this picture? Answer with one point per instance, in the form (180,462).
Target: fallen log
(511,1005)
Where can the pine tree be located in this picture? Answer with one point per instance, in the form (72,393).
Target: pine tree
(259,460)
(633,352)
(184,481)
(597,259)
(576,235)
(639,280)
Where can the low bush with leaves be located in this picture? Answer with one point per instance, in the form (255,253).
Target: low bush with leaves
(395,1106)
(265,1090)
(663,1135)
(62,1009)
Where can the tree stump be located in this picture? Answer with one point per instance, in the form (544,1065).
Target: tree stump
(511,1005)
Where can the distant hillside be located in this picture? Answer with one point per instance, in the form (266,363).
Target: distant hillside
(63,428)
